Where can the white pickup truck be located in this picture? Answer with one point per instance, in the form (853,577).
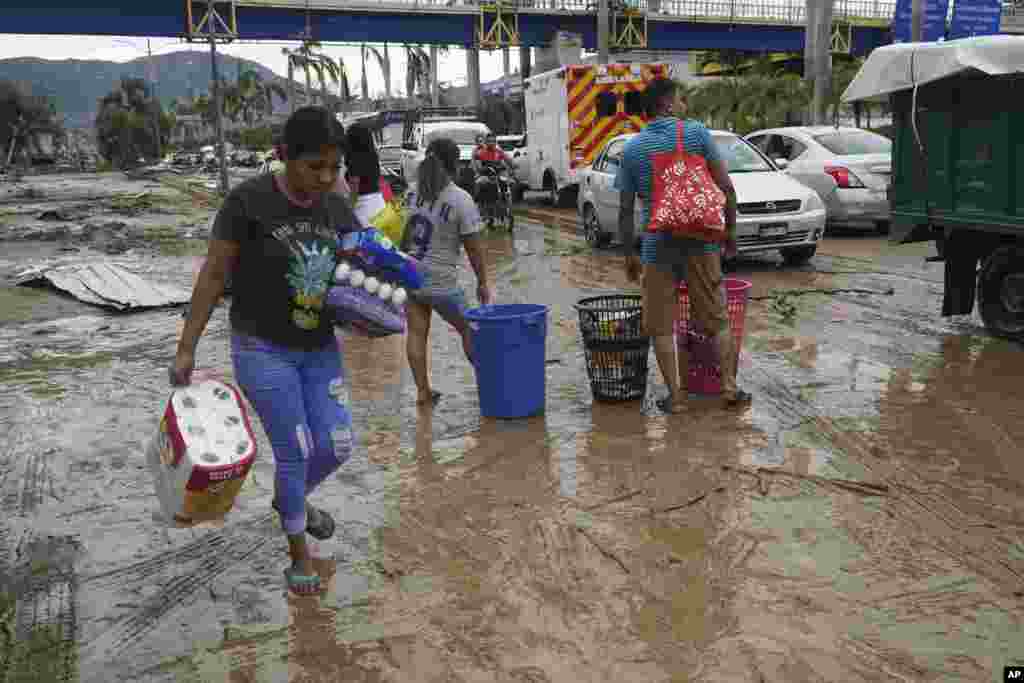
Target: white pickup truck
(462,133)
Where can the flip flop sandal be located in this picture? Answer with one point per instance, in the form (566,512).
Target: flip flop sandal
(665,405)
(324,526)
(322,529)
(742,399)
(301,584)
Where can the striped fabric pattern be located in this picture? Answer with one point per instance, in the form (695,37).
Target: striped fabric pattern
(635,176)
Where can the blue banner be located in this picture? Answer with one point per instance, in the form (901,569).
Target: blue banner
(935,13)
(975,18)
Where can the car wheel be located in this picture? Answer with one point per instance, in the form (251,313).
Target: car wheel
(591,226)
(798,256)
(553,194)
(883,227)
(1001,292)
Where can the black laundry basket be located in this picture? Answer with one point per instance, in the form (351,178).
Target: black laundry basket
(615,347)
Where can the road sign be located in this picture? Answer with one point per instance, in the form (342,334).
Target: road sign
(935,13)
(975,18)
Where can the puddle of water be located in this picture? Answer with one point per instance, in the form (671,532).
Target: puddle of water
(597,542)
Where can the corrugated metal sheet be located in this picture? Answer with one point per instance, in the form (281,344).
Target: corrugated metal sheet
(105,284)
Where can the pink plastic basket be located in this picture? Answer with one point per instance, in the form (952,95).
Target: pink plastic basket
(705,370)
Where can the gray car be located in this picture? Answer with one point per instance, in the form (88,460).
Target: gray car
(849,168)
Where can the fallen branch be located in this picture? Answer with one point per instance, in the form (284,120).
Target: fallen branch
(607,553)
(689,503)
(800,292)
(861,487)
(616,499)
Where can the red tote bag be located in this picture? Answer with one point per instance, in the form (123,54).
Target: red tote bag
(685,200)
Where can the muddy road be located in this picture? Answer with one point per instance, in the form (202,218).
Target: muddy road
(862,522)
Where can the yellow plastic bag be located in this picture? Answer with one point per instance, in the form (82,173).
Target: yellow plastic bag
(391,222)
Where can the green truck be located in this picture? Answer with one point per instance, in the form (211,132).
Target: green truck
(958,164)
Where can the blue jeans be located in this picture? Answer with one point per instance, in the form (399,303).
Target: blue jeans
(302,399)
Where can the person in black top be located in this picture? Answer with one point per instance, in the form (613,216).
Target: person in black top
(277,237)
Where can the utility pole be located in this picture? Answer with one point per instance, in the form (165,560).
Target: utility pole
(435,90)
(473,75)
(218,117)
(917,21)
(157,109)
(818,57)
(604,31)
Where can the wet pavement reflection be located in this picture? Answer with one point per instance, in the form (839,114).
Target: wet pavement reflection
(861,522)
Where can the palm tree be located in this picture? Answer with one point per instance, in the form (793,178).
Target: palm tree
(416,65)
(256,96)
(326,69)
(384,61)
(296,60)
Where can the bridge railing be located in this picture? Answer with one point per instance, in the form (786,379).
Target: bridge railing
(787,12)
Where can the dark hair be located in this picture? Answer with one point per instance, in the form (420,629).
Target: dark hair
(309,129)
(361,159)
(438,168)
(657,91)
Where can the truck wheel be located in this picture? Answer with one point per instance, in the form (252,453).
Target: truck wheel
(591,226)
(1001,292)
(940,244)
(798,256)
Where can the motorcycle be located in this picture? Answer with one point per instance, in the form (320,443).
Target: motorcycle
(494,194)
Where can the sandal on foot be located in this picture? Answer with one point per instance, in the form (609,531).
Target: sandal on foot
(435,396)
(301,584)
(667,406)
(323,527)
(742,399)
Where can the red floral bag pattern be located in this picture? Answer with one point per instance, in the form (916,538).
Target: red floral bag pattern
(685,200)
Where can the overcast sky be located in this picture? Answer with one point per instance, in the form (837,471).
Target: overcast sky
(452,67)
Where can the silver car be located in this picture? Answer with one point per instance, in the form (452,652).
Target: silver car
(849,168)
(774,211)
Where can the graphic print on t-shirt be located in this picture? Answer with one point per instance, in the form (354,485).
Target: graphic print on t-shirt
(421,224)
(311,263)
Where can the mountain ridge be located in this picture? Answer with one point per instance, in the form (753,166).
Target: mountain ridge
(77,85)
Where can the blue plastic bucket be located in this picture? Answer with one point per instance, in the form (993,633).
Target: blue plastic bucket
(509,347)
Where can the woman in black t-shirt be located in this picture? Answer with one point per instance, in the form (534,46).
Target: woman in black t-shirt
(277,237)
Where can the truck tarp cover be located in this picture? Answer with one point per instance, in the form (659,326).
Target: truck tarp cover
(888,69)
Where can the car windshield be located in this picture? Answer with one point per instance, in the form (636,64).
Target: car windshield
(460,136)
(854,142)
(739,156)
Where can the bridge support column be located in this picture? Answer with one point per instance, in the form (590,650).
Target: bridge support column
(818,58)
(473,75)
(603,31)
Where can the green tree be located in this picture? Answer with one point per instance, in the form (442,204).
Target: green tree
(24,119)
(125,122)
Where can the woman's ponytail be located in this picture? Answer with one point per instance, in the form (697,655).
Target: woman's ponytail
(437,169)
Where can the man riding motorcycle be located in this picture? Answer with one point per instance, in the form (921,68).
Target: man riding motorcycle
(494,173)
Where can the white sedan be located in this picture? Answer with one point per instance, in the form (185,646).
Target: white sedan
(774,212)
(849,168)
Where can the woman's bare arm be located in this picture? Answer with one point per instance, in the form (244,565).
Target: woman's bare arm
(221,257)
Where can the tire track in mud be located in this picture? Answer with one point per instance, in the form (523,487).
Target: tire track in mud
(39,627)
(205,559)
(952,530)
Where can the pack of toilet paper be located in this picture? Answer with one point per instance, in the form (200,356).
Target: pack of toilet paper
(201,453)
